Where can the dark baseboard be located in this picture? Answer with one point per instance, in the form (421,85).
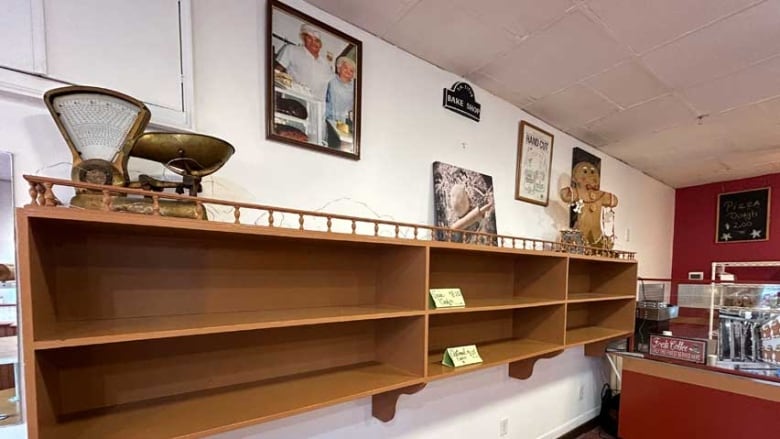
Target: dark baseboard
(584,428)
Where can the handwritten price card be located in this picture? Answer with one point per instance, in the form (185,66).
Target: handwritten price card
(447,298)
(676,348)
(461,356)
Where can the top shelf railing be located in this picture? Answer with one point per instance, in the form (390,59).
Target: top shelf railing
(42,195)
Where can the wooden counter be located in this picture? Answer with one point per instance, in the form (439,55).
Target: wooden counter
(666,400)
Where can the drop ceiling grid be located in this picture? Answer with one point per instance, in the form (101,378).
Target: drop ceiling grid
(614,73)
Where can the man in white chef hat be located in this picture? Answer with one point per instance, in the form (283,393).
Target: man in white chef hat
(305,64)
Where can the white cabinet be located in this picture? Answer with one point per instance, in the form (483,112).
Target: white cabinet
(19,47)
(139,47)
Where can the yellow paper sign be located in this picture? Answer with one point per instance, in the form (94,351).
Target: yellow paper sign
(461,356)
(447,298)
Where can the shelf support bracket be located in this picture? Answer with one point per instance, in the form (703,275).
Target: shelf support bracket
(383,405)
(523,369)
(599,348)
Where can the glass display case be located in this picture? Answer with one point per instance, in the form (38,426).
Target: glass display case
(745,319)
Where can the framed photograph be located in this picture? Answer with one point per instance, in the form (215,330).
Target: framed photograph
(463,201)
(534,162)
(314,83)
(743,216)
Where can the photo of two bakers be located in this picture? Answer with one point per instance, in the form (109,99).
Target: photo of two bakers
(315,73)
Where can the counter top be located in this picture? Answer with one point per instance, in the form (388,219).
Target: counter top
(717,378)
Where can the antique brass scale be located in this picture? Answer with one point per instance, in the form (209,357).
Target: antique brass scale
(104,128)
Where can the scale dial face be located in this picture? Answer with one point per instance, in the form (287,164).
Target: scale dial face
(96,124)
(95,171)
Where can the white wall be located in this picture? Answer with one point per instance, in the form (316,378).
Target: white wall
(404,131)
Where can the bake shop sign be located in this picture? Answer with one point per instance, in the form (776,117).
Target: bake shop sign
(677,348)
(460,99)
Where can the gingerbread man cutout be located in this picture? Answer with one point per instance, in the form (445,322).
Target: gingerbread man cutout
(585,190)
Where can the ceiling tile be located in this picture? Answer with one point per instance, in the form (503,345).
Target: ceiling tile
(571,107)
(645,150)
(651,116)
(427,31)
(749,160)
(498,89)
(627,84)
(519,17)
(719,49)
(743,129)
(520,100)
(569,50)
(644,24)
(374,17)
(744,87)
(691,174)
(587,136)
(771,108)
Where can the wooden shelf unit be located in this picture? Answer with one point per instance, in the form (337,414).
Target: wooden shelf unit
(142,326)
(501,336)
(595,279)
(588,322)
(500,280)
(277,370)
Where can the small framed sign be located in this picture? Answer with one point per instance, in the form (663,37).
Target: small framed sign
(743,216)
(460,99)
(678,348)
(461,356)
(534,162)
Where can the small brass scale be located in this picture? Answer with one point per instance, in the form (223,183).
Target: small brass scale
(104,128)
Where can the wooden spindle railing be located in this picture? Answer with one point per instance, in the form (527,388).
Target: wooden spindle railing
(42,195)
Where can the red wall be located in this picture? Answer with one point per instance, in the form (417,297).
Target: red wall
(694,247)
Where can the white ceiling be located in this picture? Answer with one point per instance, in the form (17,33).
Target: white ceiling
(687,91)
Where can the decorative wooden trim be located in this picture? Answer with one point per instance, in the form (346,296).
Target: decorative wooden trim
(523,369)
(41,194)
(383,405)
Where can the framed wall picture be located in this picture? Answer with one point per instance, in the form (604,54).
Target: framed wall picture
(534,161)
(314,82)
(463,200)
(743,216)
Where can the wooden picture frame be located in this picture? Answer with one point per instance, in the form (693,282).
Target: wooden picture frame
(743,216)
(313,84)
(534,164)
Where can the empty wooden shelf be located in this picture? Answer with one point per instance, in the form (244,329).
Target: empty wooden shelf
(122,379)
(208,412)
(501,336)
(103,283)
(141,326)
(589,322)
(500,279)
(592,278)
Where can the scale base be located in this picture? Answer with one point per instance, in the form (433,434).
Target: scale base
(173,208)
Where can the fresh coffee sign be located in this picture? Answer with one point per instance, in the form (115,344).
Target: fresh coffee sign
(676,348)
(460,99)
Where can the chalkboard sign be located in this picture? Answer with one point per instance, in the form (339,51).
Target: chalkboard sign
(743,216)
